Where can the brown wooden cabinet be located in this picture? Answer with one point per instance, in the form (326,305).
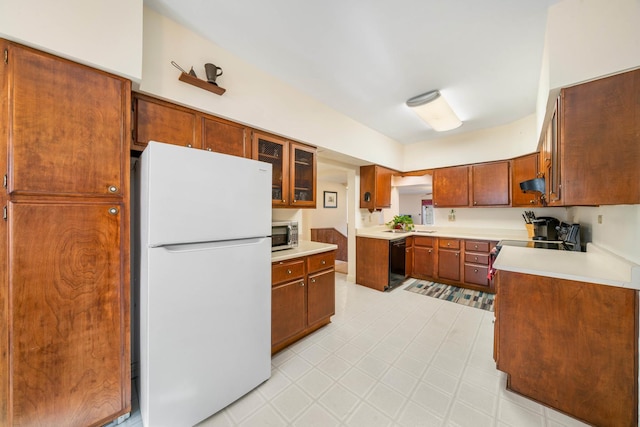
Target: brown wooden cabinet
(570,345)
(476,263)
(372,262)
(590,152)
(288,305)
(451,187)
(302,298)
(424,257)
(375,187)
(490,184)
(524,168)
(293,182)
(64,300)
(449,259)
(158,120)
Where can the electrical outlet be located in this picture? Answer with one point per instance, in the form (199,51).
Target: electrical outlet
(599,219)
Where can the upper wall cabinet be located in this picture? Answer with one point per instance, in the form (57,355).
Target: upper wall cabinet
(490,184)
(524,168)
(480,185)
(596,159)
(293,182)
(71,113)
(157,120)
(375,187)
(451,187)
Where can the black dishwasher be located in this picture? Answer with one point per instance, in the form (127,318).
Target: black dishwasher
(397,254)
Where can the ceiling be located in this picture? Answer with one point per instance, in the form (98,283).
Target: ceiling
(365,58)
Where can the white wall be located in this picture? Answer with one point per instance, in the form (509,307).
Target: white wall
(503,142)
(253,97)
(105,34)
(586,39)
(329,217)
(619,231)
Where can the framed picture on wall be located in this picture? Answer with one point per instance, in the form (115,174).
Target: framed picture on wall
(330,199)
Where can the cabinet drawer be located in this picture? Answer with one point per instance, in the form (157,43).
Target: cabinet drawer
(287,270)
(423,241)
(449,243)
(476,258)
(321,261)
(476,246)
(476,274)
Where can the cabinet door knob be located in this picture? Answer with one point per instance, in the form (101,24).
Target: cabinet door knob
(313,280)
(430,250)
(188,145)
(448,243)
(457,254)
(289,271)
(294,200)
(209,149)
(284,201)
(113,211)
(323,262)
(301,284)
(475,270)
(113,189)
(476,247)
(476,258)
(475,203)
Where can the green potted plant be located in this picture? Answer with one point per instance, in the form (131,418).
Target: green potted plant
(401,222)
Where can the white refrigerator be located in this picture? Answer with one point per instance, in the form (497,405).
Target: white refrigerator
(204,251)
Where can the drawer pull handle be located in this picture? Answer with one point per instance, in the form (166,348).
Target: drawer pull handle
(323,262)
(476,258)
(475,270)
(289,271)
(448,243)
(475,246)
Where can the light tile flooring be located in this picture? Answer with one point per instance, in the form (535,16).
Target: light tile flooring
(388,359)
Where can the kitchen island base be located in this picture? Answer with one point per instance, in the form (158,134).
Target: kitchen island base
(569,345)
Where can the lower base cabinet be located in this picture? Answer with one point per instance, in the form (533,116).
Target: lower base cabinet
(569,345)
(302,297)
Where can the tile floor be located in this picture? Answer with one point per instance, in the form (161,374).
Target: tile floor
(388,359)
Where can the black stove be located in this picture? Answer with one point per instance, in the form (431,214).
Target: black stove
(540,244)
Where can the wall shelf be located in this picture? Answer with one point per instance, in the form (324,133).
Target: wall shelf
(202,84)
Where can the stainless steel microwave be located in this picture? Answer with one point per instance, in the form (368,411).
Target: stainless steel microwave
(284,235)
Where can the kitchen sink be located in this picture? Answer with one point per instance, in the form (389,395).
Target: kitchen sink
(396,231)
(425,231)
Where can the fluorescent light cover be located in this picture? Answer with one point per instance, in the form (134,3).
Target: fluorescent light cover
(434,110)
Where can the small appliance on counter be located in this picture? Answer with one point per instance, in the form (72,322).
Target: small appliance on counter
(569,235)
(284,235)
(544,228)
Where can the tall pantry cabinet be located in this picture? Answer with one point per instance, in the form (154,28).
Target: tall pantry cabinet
(64,289)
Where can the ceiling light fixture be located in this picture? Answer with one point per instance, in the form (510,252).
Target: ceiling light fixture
(434,110)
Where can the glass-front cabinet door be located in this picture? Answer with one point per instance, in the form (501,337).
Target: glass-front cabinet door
(303,175)
(274,150)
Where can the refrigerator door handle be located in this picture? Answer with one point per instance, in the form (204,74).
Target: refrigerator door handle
(207,246)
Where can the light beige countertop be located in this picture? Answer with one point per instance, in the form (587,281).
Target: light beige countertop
(304,248)
(596,265)
(382,232)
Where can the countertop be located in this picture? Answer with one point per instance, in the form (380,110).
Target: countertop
(382,232)
(304,248)
(596,265)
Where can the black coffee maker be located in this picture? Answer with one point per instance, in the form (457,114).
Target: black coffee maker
(544,228)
